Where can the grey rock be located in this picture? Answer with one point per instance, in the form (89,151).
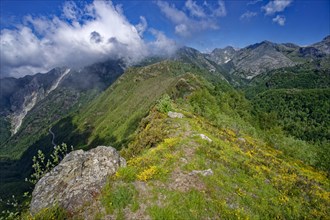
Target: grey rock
(241,140)
(183,160)
(207,172)
(204,137)
(175,115)
(77,179)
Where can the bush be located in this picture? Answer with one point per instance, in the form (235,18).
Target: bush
(164,104)
(55,213)
(41,167)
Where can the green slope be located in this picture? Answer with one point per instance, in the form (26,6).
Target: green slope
(249,178)
(313,75)
(302,113)
(114,116)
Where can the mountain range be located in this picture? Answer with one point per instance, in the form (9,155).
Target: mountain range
(264,86)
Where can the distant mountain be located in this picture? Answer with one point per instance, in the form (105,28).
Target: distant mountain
(19,96)
(30,104)
(192,56)
(258,58)
(263,57)
(222,56)
(324,45)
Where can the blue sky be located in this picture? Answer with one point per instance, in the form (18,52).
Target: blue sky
(31,29)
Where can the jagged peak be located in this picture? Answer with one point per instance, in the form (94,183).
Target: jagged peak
(264,43)
(227,48)
(327,38)
(188,49)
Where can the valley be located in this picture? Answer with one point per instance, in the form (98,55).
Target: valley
(256,120)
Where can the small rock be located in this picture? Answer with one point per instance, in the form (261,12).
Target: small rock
(175,114)
(207,172)
(204,137)
(241,140)
(183,160)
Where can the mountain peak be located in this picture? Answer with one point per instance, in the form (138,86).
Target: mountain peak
(266,42)
(327,38)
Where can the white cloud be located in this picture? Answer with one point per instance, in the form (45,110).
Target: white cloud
(276,6)
(248,14)
(201,17)
(194,9)
(172,13)
(71,11)
(103,32)
(221,10)
(162,46)
(142,26)
(279,19)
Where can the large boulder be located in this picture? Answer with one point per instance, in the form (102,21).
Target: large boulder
(77,179)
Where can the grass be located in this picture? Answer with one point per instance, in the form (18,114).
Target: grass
(55,212)
(115,115)
(190,205)
(251,179)
(118,198)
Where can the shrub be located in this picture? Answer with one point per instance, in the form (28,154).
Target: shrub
(41,167)
(148,173)
(164,104)
(54,213)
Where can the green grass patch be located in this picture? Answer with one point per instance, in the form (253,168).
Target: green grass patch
(119,197)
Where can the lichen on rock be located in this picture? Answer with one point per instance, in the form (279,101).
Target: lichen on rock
(76,180)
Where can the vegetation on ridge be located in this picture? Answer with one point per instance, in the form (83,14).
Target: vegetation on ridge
(250,178)
(249,169)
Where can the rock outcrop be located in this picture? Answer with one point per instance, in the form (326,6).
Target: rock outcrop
(204,137)
(77,179)
(175,114)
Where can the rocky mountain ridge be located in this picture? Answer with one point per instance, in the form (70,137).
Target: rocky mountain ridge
(222,55)
(253,60)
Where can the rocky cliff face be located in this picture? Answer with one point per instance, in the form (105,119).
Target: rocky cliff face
(193,56)
(262,57)
(259,58)
(222,56)
(19,96)
(324,45)
(77,179)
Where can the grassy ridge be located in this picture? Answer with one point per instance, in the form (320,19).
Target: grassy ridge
(250,179)
(114,115)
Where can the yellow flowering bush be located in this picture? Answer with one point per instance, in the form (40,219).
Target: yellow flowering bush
(148,173)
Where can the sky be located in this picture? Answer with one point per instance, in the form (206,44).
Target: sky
(39,35)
